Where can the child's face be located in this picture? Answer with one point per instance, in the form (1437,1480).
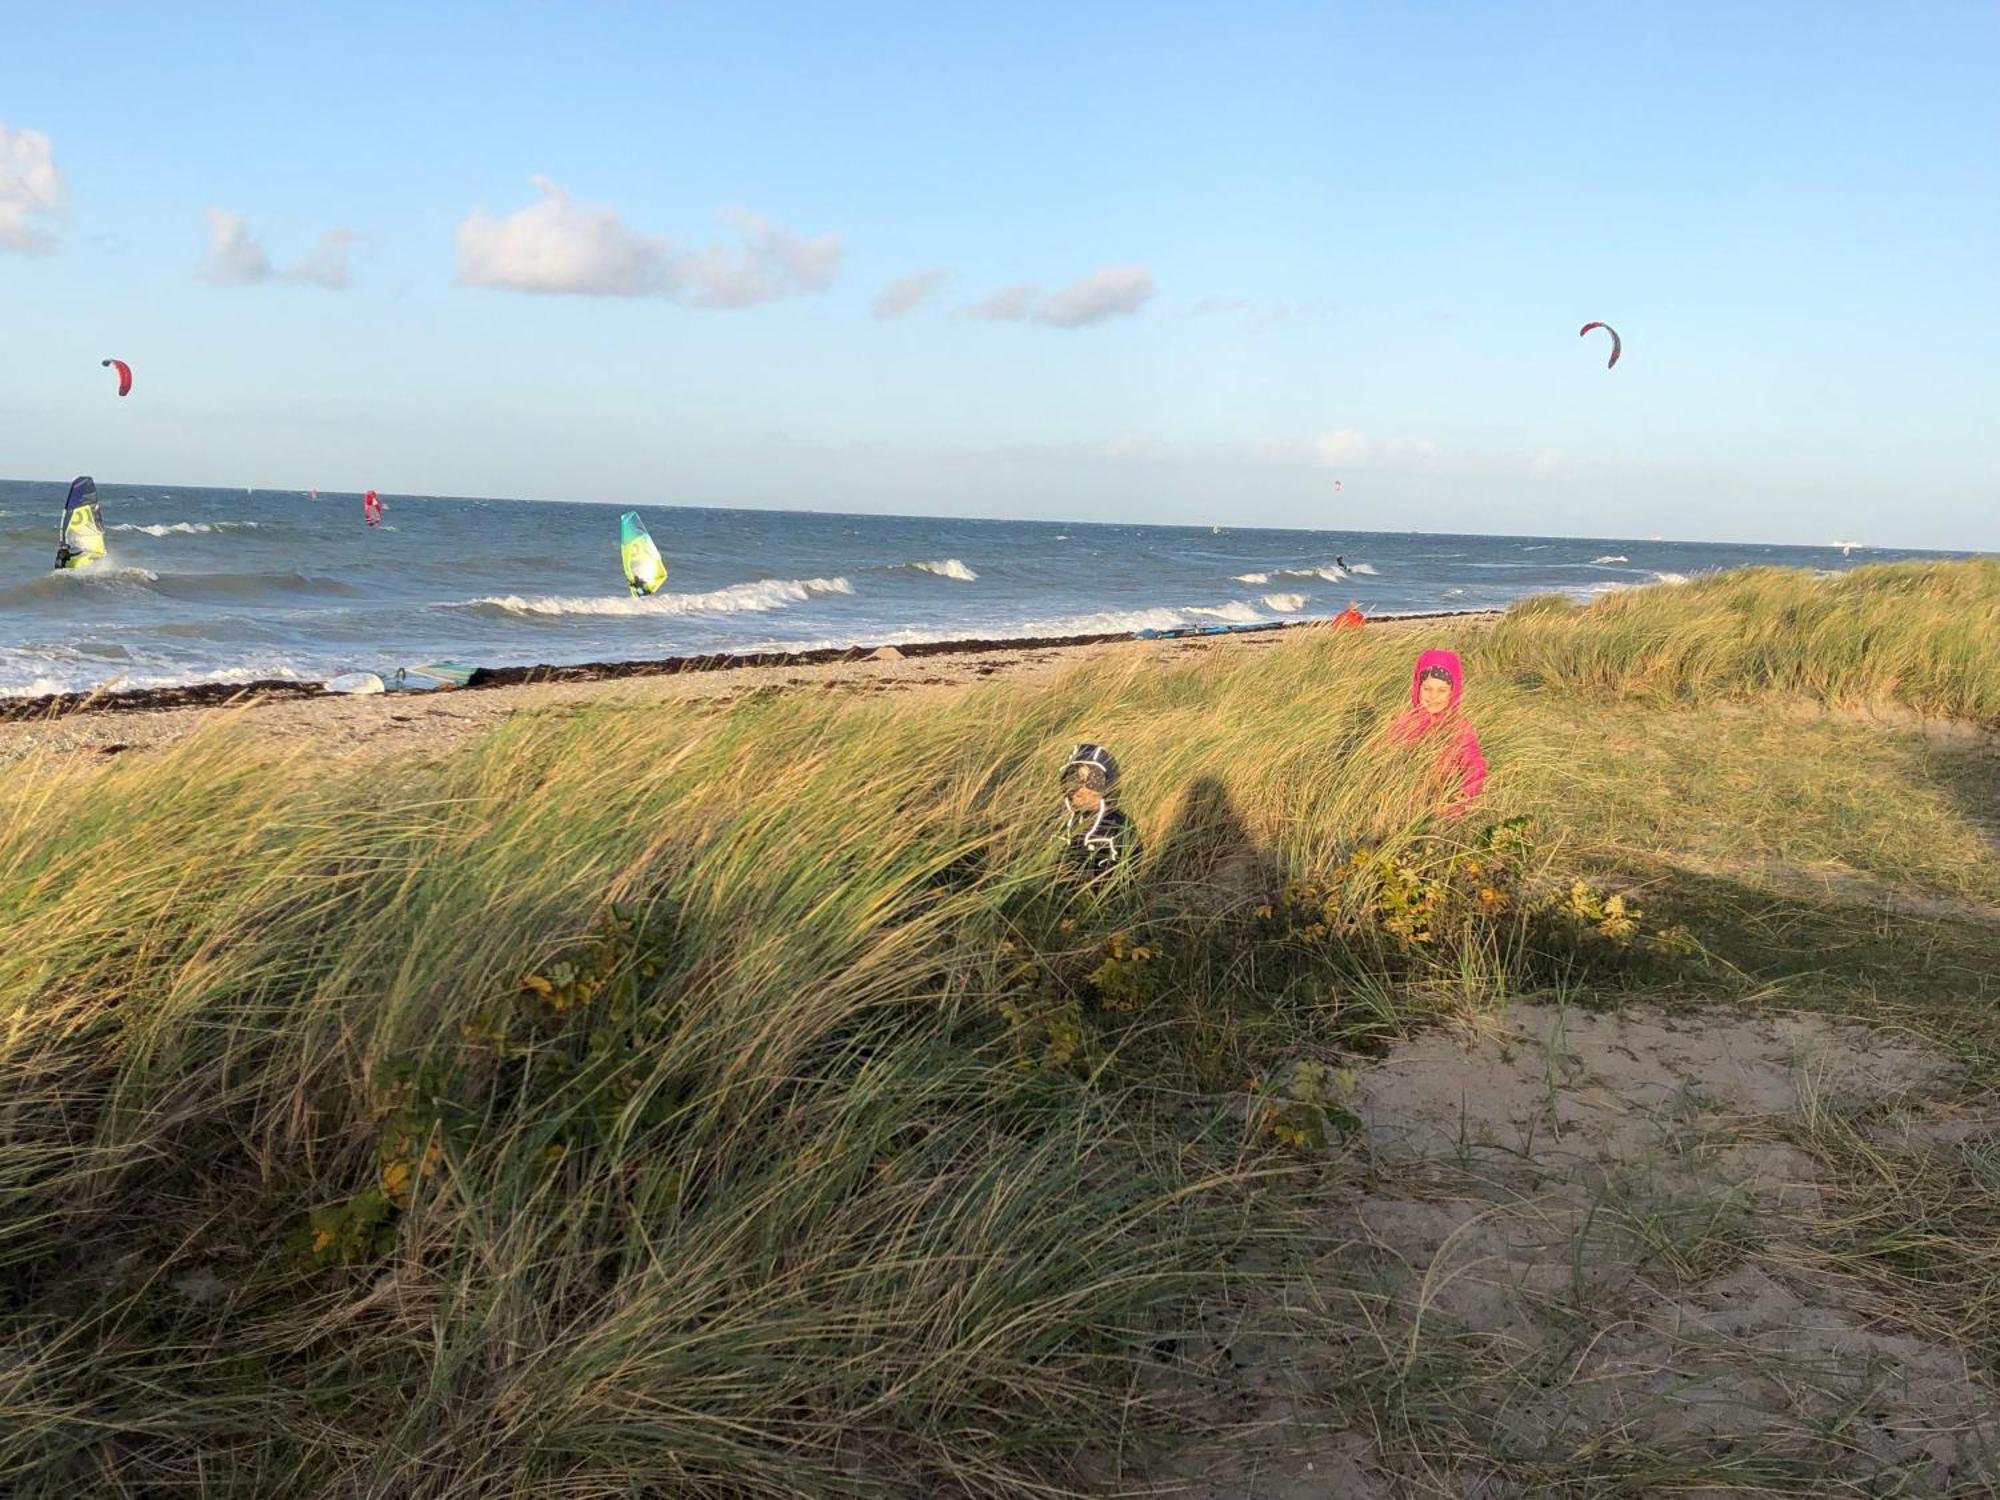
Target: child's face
(1083,799)
(1434,695)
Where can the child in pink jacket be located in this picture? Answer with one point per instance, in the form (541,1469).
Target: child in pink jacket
(1436,686)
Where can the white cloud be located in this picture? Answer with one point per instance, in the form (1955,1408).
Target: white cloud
(908,292)
(234,257)
(31,190)
(1108,292)
(327,264)
(772,263)
(561,246)
(1010,304)
(1255,314)
(237,258)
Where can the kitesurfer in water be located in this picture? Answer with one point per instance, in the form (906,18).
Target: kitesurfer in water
(1433,720)
(1340,562)
(1096,838)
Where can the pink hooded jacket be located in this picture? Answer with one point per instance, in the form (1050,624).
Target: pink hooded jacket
(1459,760)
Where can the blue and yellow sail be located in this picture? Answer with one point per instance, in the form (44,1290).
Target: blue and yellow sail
(82,530)
(644,571)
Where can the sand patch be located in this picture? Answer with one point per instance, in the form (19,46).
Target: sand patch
(1568,1243)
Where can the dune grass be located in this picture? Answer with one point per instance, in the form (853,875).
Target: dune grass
(1922,635)
(727,1101)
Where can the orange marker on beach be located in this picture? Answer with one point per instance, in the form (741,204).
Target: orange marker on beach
(1349,618)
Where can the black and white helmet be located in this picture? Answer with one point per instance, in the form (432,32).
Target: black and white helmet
(1092,766)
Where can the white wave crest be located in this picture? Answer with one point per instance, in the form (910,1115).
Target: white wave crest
(1329,574)
(1253,577)
(1363,568)
(764,594)
(1670,578)
(184,528)
(1285,604)
(949,567)
(1598,562)
(1236,612)
(88,574)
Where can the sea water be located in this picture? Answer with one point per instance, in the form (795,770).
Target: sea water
(214,585)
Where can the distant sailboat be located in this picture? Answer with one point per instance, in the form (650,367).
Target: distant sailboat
(1848,547)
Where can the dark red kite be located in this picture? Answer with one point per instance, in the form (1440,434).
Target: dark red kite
(1617,348)
(124,374)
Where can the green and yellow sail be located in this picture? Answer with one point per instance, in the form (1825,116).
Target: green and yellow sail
(644,571)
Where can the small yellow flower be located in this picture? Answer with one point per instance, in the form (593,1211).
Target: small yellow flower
(396,1183)
(1265,911)
(322,1241)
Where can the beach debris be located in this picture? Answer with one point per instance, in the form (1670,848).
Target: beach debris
(885,653)
(371,508)
(124,374)
(80,536)
(1617,345)
(645,572)
(356,683)
(431,677)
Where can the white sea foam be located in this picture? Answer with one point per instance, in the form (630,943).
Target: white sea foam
(1363,568)
(92,679)
(949,567)
(1285,604)
(1253,577)
(1670,578)
(1329,574)
(1598,562)
(763,594)
(1236,612)
(184,528)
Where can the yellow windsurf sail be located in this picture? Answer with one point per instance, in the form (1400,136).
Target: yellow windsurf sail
(82,529)
(644,571)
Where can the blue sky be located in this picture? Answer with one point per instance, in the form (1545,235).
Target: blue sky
(1244,252)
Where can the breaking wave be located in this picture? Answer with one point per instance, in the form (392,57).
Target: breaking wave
(1235,612)
(949,567)
(1285,604)
(1329,575)
(1598,562)
(1125,621)
(763,594)
(185,528)
(1364,568)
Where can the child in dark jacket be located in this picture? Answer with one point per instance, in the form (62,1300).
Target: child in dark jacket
(1096,837)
